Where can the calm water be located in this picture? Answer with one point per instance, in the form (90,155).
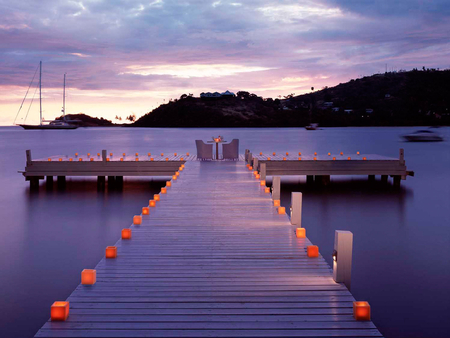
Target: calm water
(401,257)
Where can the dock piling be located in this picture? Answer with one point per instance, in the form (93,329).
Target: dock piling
(101,181)
(104,156)
(49,182)
(276,187)
(309,179)
(61,182)
(296,209)
(342,257)
(263,171)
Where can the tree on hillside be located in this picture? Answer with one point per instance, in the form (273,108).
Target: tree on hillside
(243,95)
(131,118)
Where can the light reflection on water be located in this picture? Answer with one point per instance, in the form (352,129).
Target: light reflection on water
(401,237)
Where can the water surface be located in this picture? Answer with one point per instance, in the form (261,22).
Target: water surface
(401,237)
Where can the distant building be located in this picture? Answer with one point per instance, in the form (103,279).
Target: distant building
(369,110)
(328,104)
(335,109)
(348,111)
(216,95)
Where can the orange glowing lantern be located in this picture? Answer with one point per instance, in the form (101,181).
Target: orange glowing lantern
(151,158)
(364,158)
(267,190)
(315,153)
(262,183)
(174,177)
(250,168)
(168,184)
(255,172)
(334,158)
(187,154)
(180,169)
(315,158)
(167,158)
(287,154)
(329,154)
(268,159)
(137,159)
(300,232)
(260,153)
(312,251)
(88,277)
(110,154)
(145,211)
(276,203)
(181,159)
(156,197)
(80,159)
(182,166)
(107,159)
(137,220)
(299,158)
(60,160)
(299,153)
(361,311)
(98,154)
(126,233)
(281,210)
(357,153)
(284,158)
(76,154)
(247,165)
(175,154)
(137,154)
(89,154)
(349,158)
(70,160)
(162,154)
(59,311)
(123,154)
(177,173)
(163,190)
(121,159)
(152,203)
(274,153)
(111,252)
(149,154)
(342,153)
(92,159)
(257,176)
(49,159)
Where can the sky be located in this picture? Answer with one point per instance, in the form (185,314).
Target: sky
(127,57)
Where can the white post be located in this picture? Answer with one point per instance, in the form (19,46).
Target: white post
(104,155)
(28,152)
(296,209)
(342,257)
(250,157)
(263,171)
(276,188)
(402,156)
(255,164)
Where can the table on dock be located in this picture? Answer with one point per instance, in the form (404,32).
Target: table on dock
(213,259)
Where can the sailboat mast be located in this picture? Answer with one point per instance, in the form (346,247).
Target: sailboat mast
(64,97)
(40,92)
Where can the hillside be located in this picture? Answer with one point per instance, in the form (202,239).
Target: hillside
(397,98)
(88,121)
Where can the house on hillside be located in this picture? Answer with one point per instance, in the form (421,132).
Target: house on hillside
(216,95)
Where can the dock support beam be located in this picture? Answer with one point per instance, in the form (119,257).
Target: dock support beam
(111,182)
(384,179)
(250,158)
(61,182)
(371,178)
(119,182)
(276,187)
(255,164)
(101,182)
(397,180)
(246,155)
(296,209)
(342,257)
(49,182)
(262,171)
(34,183)
(309,179)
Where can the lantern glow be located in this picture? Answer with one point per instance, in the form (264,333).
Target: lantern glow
(361,311)
(187,154)
(334,158)
(70,160)
(177,174)
(167,158)
(80,159)
(89,154)
(284,158)
(287,154)
(60,160)
(152,203)
(111,154)
(137,154)
(163,190)
(260,153)
(149,154)
(281,210)
(315,158)
(145,211)
(268,159)
(174,177)
(59,311)
(156,197)
(349,158)
(299,153)
(168,184)
(162,154)
(250,168)
(126,233)
(151,158)
(267,190)
(274,153)
(262,183)
(342,153)
(299,158)
(364,158)
(111,252)
(300,232)
(257,176)
(329,154)
(276,203)
(312,251)
(107,159)
(315,153)
(121,159)
(137,159)
(76,154)
(92,159)
(137,220)
(49,159)
(181,159)
(357,153)
(88,277)
(175,154)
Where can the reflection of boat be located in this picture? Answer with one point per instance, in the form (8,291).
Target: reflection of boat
(424,135)
(56,124)
(312,126)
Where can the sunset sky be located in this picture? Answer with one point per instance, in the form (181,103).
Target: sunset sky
(128,56)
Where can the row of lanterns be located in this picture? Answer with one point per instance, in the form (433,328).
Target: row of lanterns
(315,154)
(91,159)
(59,310)
(361,309)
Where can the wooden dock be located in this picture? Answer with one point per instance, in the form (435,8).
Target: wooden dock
(213,259)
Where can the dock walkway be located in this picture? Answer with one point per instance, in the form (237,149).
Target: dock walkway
(213,259)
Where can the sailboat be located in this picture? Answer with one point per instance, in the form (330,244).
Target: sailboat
(54,124)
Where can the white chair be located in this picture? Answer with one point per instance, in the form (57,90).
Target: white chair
(230,150)
(204,151)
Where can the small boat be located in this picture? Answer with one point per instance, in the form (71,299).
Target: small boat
(53,124)
(312,126)
(424,135)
